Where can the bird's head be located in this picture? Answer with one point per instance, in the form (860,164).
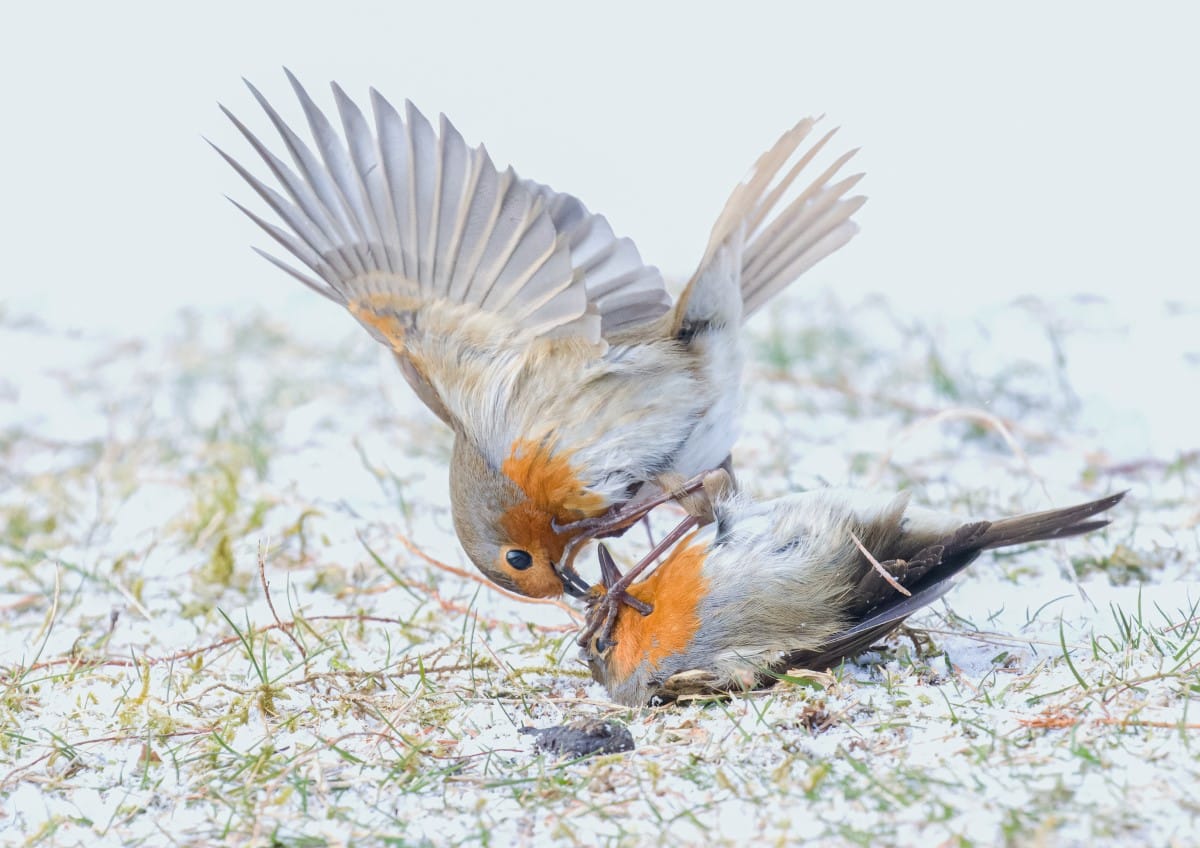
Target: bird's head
(509,536)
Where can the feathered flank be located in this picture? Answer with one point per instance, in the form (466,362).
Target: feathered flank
(931,572)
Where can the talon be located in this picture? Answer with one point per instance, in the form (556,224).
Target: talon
(602,614)
(609,573)
(559,529)
(641,606)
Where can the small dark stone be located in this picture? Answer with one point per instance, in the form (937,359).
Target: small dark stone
(582,737)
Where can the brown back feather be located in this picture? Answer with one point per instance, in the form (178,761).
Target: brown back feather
(928,575)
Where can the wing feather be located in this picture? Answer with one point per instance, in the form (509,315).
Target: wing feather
(413,213)
(779,233)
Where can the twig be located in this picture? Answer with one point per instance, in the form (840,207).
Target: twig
(1054,721)
(262,576)
(1182,625)
(22,603)
(962,678)
(892,581)
(458,572)
(463,609)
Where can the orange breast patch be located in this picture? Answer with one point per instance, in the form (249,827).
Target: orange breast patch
(550,481)
(675,589)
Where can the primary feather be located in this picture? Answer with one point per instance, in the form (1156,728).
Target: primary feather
(766,237)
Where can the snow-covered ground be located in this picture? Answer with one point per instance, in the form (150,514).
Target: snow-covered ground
(150,690)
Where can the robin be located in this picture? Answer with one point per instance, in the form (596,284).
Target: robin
(803,581)
(579,394)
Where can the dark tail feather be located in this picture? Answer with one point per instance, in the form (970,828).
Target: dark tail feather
(1051,524)
(855,640)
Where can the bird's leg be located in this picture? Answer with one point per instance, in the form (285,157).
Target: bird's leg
(602,617)
(618,520)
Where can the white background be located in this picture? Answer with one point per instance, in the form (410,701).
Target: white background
(1044,148)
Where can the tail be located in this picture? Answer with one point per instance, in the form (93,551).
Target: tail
(758,248)
(1051,524)
(928,574)
(386,220)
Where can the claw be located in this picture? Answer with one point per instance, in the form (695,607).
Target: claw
(559,529)
(602,614)
(641,606)
(609,573)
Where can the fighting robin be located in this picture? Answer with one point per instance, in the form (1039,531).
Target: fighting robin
(803,581)
(579,394)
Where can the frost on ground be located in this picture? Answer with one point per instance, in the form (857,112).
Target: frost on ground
(154,692)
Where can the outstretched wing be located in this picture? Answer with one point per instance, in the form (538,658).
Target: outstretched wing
(410,215)
(769,234)
(389,220)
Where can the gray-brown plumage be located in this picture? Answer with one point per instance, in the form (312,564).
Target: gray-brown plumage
(784,584)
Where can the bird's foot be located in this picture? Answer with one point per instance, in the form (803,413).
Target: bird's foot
(619,519)
(605,603)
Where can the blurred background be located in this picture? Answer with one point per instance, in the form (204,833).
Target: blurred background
(1040,149)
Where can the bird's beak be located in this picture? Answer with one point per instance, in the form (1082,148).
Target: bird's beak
(573,584)
(609,573)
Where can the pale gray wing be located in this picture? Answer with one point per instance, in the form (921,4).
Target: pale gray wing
(777,233)
(624,291)
(405,214)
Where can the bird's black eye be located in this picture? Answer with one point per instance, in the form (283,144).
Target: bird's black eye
(520,560)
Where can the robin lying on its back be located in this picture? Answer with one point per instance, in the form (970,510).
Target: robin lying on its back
(786,584)
(569,378)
